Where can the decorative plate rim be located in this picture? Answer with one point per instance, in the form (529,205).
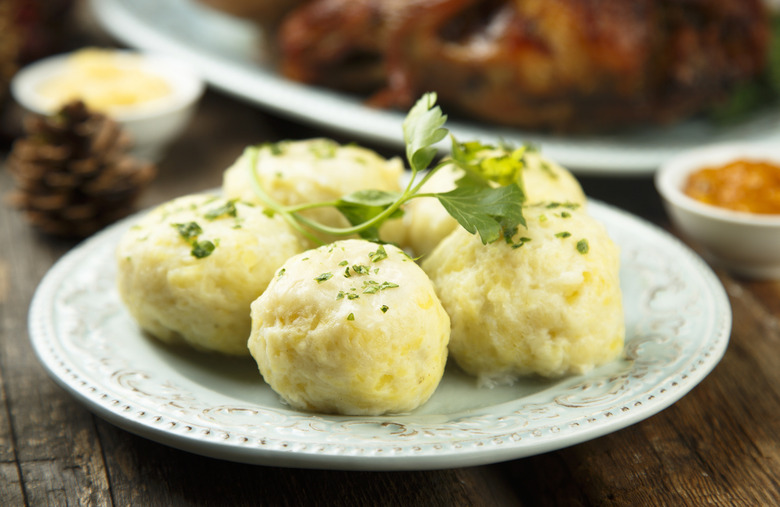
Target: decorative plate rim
(404,442)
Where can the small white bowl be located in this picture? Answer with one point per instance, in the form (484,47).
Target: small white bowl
(746,244)
(153,125)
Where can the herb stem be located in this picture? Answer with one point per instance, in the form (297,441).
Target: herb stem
(291,218)
(290,213)
(474,203)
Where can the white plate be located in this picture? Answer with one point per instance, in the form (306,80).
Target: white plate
(229,54)
(678,322)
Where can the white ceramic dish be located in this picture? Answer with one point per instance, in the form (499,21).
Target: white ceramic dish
(678,324)
(745,243)
(153,125)
(229,53)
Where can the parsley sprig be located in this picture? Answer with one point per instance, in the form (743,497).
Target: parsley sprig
(487,200)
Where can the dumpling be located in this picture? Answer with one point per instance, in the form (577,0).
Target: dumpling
(189,269)
(352,327)
(548,304)
(309,171)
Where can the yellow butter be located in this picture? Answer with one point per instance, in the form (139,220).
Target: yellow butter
(106,80)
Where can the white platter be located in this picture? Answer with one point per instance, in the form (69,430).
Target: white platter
(678,322)
(229,53)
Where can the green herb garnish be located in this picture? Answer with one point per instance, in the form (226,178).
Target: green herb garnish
(378,255)
(361,269)
(520,242)
(227,209)
(323,276)
(276,149)
(201,249)
(372,286)
(189,232)
(477,203)
(582,246)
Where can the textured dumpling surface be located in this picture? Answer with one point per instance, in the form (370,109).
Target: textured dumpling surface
(549,304)
(546,181)
(180,290)
(352,328)
(312,170)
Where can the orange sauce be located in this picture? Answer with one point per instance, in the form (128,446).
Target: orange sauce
(743,185)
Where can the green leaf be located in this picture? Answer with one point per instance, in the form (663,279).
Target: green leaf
(422,128)
(493,213)
(476,203)
(381,198)
(502,165)
(360,207)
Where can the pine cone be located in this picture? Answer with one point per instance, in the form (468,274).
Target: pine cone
(73,172)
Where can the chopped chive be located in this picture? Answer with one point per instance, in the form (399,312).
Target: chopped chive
(323,276)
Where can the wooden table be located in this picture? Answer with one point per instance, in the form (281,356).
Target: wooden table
(719,445)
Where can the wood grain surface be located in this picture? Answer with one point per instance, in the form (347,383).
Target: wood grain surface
(719,445)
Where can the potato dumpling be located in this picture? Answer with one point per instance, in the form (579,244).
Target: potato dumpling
(426,222)
(313,170)
(548,304)
(353,328)
(189,269)
(546,181)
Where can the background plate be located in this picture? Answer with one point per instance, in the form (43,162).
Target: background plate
(678,321)
(229,54)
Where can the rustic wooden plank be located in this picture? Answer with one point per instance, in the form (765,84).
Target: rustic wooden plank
(7,448)
(56,448)
(11,490)
(144,472)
